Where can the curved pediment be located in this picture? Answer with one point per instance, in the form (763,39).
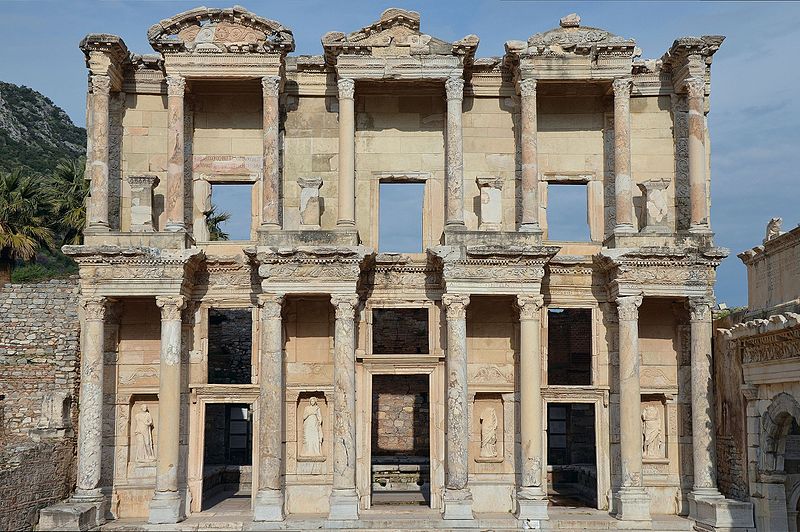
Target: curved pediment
(211,30)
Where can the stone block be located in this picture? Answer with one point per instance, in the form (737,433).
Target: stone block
(70,516)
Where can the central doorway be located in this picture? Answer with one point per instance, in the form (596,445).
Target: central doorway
(571,454)
(227,456)
(400,440)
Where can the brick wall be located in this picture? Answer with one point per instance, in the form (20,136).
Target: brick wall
(401,422)
(569,346)
(230,346)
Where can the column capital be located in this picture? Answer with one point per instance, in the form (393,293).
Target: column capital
(455,88)
(700,308)
(628,307)
(94,308)
(347,88)
(527,87)
(529,306)
(695,87)
(101,84)
(345,305)
(171,307)
(176,85)
(271,85)
(271,305)
(456,305)
(622,87)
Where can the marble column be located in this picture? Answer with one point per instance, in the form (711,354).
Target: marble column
(98,156)
(344,499)
(530,155)
(270,186)
(269,499)
(632,501)
(454,171)
(457,496)
(623,185)
(176,86)
(532,492)
(166,505)
(698,199)
(90,420)
(704,453)
(347,153)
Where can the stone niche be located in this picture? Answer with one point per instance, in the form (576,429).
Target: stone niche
(142,436)
(488,441)
(312,424)
(655,442)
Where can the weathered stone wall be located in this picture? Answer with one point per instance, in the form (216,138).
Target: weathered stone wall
(401,408)
(569,347)
(230,346)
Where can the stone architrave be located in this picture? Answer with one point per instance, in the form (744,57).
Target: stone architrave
(344,498)
(623,184)
(99,157)
(698,196)
(530,155)
(632,501)
(454,170)
(166,507)
(347,153)
(309,202)
(176,86)
(269,498)
(457,496)
(270,187)
(142,202)
(656,205)
(491,212)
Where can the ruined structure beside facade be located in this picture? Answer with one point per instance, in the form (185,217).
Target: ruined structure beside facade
(520,369)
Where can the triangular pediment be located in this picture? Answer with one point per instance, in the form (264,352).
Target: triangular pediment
(573,38)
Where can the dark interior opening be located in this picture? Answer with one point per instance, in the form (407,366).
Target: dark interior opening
(571,454)
(230,346)
(228,452)
(569,346)
(399,331)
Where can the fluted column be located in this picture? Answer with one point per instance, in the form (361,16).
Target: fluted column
(347,153)
(90,420)
(457,496)
(698,199)
(270,186)
(633,503)
(704,453)
(344,499)
(269,499)
(532,492)
(176,86)
(623,185)
(530,155)
(166,506)
(454,171)
(98,157)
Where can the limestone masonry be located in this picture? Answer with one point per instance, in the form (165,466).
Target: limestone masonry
(494,379)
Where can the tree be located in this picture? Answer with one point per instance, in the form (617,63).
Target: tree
(69,201)
(213,221)
(25,208)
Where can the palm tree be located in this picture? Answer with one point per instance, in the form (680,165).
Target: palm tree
(69,202)
(213,221)
(25,206)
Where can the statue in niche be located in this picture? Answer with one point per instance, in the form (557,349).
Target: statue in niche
(488,433)
(143,429)
(312,429)
(652,433)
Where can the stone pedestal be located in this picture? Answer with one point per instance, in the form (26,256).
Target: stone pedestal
(142,202)
(71,516)
(454,152)
(310,208)
(656,206)
(491,212)
(270,187)
(719,514)
(97,211)
(347,153)
(176,86)
(529,153)
(623,185)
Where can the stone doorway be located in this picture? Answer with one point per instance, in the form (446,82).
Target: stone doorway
(400,440)
(227,452)
(572,454)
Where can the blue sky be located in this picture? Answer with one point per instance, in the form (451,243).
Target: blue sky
(754,120)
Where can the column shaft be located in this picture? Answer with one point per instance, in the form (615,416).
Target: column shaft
(175,156)
(697,155)
(454,197)
(623,187)
(530,155)
(98,157)
(90,420)
(347,153)
(270,186)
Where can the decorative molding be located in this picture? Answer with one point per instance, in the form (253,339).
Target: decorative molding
(271,86)
(456,306)
(271,305)
(529,306)
(94,308)
(176,85)
(622,87)
(345,305)
(527,88)
(455,88)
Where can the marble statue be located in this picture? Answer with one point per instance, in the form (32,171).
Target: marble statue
(652,433)
(773,228)
(312,429)
(144,435)
(488,433)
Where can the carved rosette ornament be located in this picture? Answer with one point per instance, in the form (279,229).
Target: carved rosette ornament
(94,308)
(455,88)
(347,88)
(628,307)
(176,85)
(695,87)
(171,307)
(527,87)
(700,308)
(101,84)
(529,306)
(271,86)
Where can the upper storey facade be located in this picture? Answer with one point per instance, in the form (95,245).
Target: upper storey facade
(223,101)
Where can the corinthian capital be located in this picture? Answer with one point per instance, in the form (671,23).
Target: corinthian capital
(695,87)
(176,85)
(700,308)
(628,307)
(456,305)
(529,306)
(171,307)
(347,88)
(271,305)
(622,87)
(101,84)
(345,305)
(271,85)
(94,308)
(455,88)
(527,87)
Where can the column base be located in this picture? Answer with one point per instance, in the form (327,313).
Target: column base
(269,227)
(531,505)
(624,229)
(455,226)
(633,504)
(71,515)
(458,505)
(699,229)
(344,505)
(97,227)
(714,513)
(530,228)
(175,227)
(165,508)
(268,506)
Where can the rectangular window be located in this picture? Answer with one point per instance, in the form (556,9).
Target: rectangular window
(569,346)
(230,346)
(568,212)
(400,331)
(231,214)
(400,217)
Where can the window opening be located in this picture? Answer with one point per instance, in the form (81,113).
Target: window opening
(569,346)
(400,217)
(230,217)
(568,212)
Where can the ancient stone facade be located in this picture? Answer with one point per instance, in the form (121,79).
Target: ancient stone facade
(223,101)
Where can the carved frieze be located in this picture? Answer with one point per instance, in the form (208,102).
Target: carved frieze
(102,263)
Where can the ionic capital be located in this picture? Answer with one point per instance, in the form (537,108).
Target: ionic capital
(271,86)
(456,306)
(622,87)
(527,87)
(529,306)
(347,88)
(101,84)
(271,305)
(94,308)
(695,87)
(700,308)
(176,85)
(345,305)
(171,307)
(628,307)
(455,88)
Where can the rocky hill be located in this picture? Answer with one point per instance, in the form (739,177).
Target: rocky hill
(34,132)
